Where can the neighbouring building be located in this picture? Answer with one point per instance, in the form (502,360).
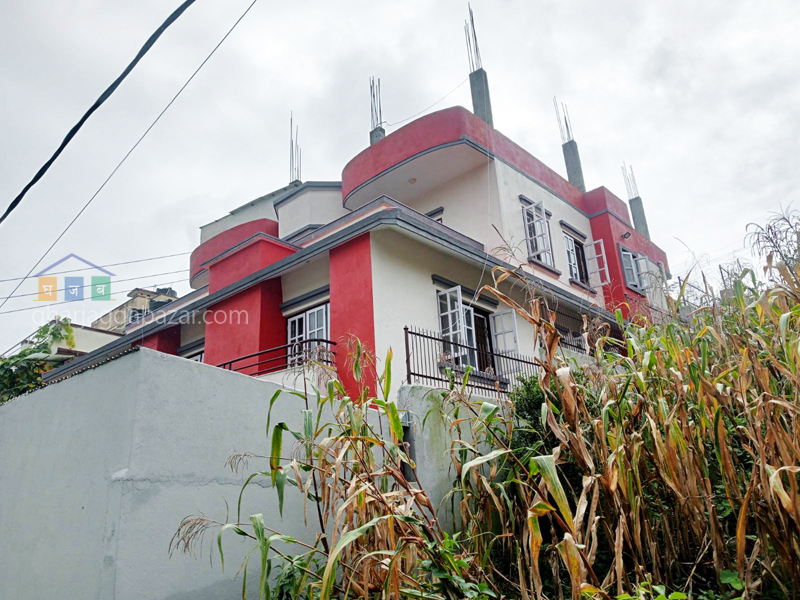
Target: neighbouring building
(87,339)
(394,254)
(142,302)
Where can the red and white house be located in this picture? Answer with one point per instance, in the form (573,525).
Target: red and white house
(394,254)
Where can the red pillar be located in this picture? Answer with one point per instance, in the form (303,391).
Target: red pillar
(351,307)
(167,340)
(246,323)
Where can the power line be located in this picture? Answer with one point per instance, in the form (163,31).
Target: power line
(430,107)
(90,284)
(97,104)
(139,141)
(128,262)
(16,310)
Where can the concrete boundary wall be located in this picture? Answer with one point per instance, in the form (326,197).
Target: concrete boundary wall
(97,471)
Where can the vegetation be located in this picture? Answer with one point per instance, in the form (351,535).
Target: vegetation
(666,468)
(22,372)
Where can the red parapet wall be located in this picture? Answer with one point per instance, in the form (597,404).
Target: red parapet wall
(446,127)
(226,240)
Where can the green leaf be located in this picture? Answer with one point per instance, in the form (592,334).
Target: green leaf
(387,375)
(269,412)
(329,575)
(224,528)
(395,424)
(678,596)
(547,467)
(479,461)
(280,484)
(488,410)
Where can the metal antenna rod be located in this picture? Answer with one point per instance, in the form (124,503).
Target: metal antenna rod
(558,120)
(473,52)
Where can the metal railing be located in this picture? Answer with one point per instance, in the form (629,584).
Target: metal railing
(283,357)
(428,354)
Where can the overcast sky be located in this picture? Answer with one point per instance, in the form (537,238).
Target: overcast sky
(701,98)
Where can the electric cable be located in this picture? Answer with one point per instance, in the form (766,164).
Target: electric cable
(139,141)
(97,104)
(90,284)
(128,262)
(16,310)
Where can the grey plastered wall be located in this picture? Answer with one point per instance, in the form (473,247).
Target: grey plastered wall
(97,471)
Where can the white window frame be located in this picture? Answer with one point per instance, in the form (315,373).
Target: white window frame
(301,334)
(572,257)
(500,332)
(537,233)
(460,326)
(643,270)
(597,263)
(630,271)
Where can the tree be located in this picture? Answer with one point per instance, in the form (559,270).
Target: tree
(22,372)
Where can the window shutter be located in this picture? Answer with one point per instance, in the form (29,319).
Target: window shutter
(643,272)
(597,263)
(536,230)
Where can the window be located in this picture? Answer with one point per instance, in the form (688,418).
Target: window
(457,327)
(537,233)
(312,324)
(595,253)
(504,331)
(576,259)
(636,270)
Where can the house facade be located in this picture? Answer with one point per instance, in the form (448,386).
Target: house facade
(395,253)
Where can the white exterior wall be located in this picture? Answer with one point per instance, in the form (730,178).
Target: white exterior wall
(470,203)
(86,340)
(511,184)
(258,210)
(310,206)
(312,275)
(404,294)
(191,332)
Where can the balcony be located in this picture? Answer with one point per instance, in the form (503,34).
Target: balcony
(429,354)
(282,358)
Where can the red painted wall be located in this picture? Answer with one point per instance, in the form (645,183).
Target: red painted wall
(248,322)
(227,239)
(166,340)
(351,306)
(610,229)
(247,260)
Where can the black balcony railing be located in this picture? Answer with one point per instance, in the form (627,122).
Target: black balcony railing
(429,354)
(284,357)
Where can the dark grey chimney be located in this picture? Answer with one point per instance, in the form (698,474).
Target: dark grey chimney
(635,202)
(478,81)
(481,102)
(639,218)
(376,135)
(572,158)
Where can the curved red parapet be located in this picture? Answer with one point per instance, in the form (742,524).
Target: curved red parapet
(226,240)
(440,129)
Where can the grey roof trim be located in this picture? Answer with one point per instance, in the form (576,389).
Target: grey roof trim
(573,230)
(270,196)
(401,217)
(449,283)
(245,242)
(612,213)
(399,205)
(435,212)
(192,346)
(302,231)
(308,185)
(315,294)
